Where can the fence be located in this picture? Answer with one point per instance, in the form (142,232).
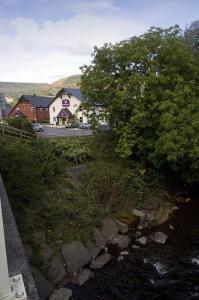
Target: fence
(16,133)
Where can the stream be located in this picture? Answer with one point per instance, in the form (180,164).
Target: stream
(154,271)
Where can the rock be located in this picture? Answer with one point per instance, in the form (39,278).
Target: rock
(109,229)
(140,227)
(142,240)
(43,286)
(28,250)
(56,271)
(92,249)
(159,237)
(101,261)
(120,258)
(124,253)
(61,294)
(150,216)
(100,241)
(123,228)
(160,268)
(84,275)
(76,256)
(175,208)
(130,220)
(163,214)
(122,241)
(135,247)
(171,227)
(46,253)
(137,234)
(187,200)
(139,213)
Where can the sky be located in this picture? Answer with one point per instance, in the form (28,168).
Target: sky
(45,40)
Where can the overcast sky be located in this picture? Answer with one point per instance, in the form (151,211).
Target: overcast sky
(44,40)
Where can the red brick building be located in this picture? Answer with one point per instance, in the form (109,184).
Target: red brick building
(34,108)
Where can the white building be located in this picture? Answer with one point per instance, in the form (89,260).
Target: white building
(65,105)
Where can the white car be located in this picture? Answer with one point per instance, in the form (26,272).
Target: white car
(37,127)
(85,126)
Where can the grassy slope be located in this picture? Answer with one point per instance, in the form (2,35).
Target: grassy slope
(15,89)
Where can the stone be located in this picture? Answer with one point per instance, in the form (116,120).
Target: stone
(137,234)
(28,250)
(175,208)
(76,256)
(163,214)
(123,228)
(120,258)
(124,253)
(84,275)
(135,247)
(142,240)
(101,261)
(109,229)
(139,213)
(171,227)
(150,216)
(61,294)
(46,254)
(122,241)
(56,271)
(187,200)
(159,237)
(100,241)
(43,286)
(92,249)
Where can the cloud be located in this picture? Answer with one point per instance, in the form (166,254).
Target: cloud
(38,52)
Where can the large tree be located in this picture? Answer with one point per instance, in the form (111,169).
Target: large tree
(149,86)
(191,35)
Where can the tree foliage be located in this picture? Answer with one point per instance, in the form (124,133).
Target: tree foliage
(149,86)
(191,35)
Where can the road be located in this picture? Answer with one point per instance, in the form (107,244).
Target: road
(61,132)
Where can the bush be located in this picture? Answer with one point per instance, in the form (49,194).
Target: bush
(21,123)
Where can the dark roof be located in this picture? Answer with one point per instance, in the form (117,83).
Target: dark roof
(71,92)
(37,101)
(64,112)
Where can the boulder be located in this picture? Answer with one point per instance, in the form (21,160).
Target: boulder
(84,275)
(159,237)
(100,240)
(142,240)
(139,213)
(122,241)
(123,228)
(56,271)
(61,294)
(163,214)
(101,261)
(43,286)
(76,256)
(109,229)
(93,249)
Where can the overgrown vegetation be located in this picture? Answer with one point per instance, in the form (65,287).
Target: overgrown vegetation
(20,123)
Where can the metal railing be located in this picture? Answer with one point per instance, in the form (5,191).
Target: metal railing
(16,133)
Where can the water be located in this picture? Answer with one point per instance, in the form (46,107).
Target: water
(154,271)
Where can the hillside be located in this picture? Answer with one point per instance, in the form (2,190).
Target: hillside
(52,89)
(16,89)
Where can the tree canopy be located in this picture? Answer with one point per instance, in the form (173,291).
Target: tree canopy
(149,86)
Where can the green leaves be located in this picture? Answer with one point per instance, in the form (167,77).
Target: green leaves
(149,87)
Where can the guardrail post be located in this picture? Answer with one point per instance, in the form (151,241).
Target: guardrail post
(10,288)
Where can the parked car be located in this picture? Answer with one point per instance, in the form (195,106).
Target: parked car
(37,127)
(72,125)
(85,126)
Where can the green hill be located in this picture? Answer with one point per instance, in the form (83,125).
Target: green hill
(16,89)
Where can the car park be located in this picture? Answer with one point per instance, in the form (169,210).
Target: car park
(85,126)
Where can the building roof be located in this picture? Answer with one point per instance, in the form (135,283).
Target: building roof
(37,101)
(71,92)
(18,113)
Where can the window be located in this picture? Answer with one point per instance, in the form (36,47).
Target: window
(32,109)
(41,108)
(46,109)
(53,109)
(81,119)
(54,119)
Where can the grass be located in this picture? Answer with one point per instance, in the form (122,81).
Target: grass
(45,200)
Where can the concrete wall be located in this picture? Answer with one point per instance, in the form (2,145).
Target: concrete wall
(16,256)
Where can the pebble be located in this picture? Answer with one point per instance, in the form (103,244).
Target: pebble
(142,240)
(120,258)
(124,253)
(171,227)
